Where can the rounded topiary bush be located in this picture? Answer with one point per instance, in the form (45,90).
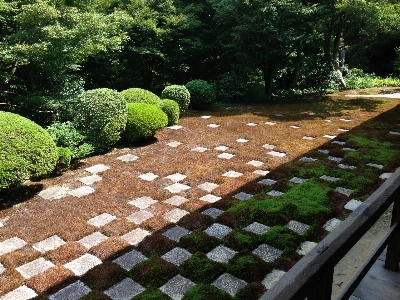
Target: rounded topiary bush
(202,94)
(171,109)
(100,115)
(26,149)
(141,95)
(178,93)
(143,121)
(64,156)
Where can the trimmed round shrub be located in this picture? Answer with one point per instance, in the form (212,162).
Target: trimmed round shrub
(178,93)
(64,156)
(26,149)
(171,109)
(202,94)
(143,121)
(100,115)
(142,96)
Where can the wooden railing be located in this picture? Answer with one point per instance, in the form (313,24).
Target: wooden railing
(312,276)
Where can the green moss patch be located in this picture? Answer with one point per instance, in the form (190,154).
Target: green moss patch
(206,292)
(198,241)
(248,267)
(253,290)
(152,294)
(241,240)
(282,238)
(200,269)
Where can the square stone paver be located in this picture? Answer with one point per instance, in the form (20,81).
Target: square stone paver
(205,117)
(176,233)
(375,166)
(331,224)
(177,287)
(329,178)
(88,180)
(343,166)
(124,290)
(175,127)
(243,196)
(55,192)
(339,143)
(323,151)
(207,186)
(344,191)
(2,268)
(174,144)
(11,244)
(352,204)
(218,230)
(276,154)
(295,126)
(255,163)
(343,130)
(309,138)
(267,252)
(73,291)
(176,200)
(297,227)
(251,124)
(82,191)
(221,148)
(349,149)
(269,123)
(210,198)
(199,149)
(177,188)
(128,157)
(177,256)
(175,214)
(329,136)
(48,244)
(298,180)
(229,284)
(242,140)
(307,159)
(143,202)
(101,220)
(336,159)
(268,146)
(272,278)
(232,174)
(225,155)
(221,254)
(83,264)
(257,228)
(135,236)
(278,115)
(130,259)
(345,120)
(176,177)
(97,169)
(212,212)
(394,132)
(148,176)
(34,267)
(213,125)
(275,193)
(261,172)
(93,239)
(1,224)
(306,247)
(382,176)
(20,293)
(139,216)
(267,181)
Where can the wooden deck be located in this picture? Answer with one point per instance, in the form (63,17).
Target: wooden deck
(379,283)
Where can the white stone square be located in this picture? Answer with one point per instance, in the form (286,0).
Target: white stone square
(297,180)
(257,228)
(130,259)
(143,202)
(83,264)
(232,174)
(176,177)
(88,180)
(343,130)
(55,192)
(297,227)
(269,123)
(306,247)
(20,293)
(352,204)
(221,148)
(336,159)
(251,124)
(48,244)
(207,186)
(375,166)
(275,193)
(2,268)
(174,144)
(34,267)
(177,287)
(93,239)
(126,289)
(278,115)
(97,168)
(328,136)
(101,220)
(241,140)
(349,149)
(394,132)
(148,176)
(229,283)
(310,138)
(175,214)
(177,256)
(267,252)
(82,191)
(176,233)
(135,236)
(323,151)
(331,224)
(210,198)
(226,155)
(73,291)
(177,188)
(339,143)
(218,230)
(267,181)
(175,127)
(344,191)
(255,163)
(295,126)
(242,196)
(11,244)
(345,120)
(176,200)
(212,212)
(307,159)
(329,178)
(221,254)
(382,176)
(260,172)
(140,216)
(343,166)
(213,125)
(205,117)
(200,149)
(272,278)
(276,154)
(128,157)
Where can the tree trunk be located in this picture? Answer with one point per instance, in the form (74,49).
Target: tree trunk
(268,73)
(296,72)
(10,70)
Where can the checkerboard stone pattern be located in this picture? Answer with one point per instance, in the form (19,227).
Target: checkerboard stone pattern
(83,264)
(298,227)
(176,200)
(20,293)
(101,220)
(73,291)
(126,289)
(210,198)
(207,186)
(177,287)
(143,202)
(135,236)
(11,244)
(267,252)
(177,256)
(221,254)
(242,196)
(140,216)
(229,284)
(34,267)
(93,239)
(48,244)
(130,259)
(212,212)
(257,228)
(175,215)
(218,230)
(176,233)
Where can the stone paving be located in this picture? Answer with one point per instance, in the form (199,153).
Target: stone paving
(177,286)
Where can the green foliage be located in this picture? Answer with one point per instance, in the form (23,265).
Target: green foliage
(178,93)
(144,120)
(100,115)
(282,237)
(140,95)
(240,240)
(171,109)
(253,290)
(206,292)
(248,267)
(64,156)
(198,241)
(25,149)
(357,79)
(202,94)
(200,269)
(66,135)
(152,294)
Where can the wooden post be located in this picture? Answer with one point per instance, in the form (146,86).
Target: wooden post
(321,287)
(393,249)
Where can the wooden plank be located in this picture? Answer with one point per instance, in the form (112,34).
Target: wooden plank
(296,283)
